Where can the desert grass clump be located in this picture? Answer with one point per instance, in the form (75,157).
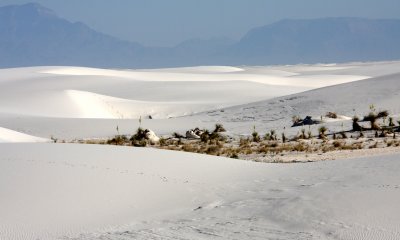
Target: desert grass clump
(372,117)
(383,114)
(139,143)
(356,126)
(234,156)
(163,142)
(267,137)
(300,147)
(270,136)
(255,136)
(331,115)
(244,142)
(190,147)
(309,134)
(219,128)
(273,135)
(139,135)
(118,140)
(283,137)
(205,136)
(139,139)
(321,132)
(337,144)
(177,135)
(213,150)
(303,134)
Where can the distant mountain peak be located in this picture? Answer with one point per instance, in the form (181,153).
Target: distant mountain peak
(41,10)
(29,9)
(31,35)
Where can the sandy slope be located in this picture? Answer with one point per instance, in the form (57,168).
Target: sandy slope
(346,100)
(76,92)
(49,191)
(7,135)
(76,102)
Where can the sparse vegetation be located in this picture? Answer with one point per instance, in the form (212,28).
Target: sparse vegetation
(331,115)
(255,135)
(322,130)
(268,146)
(219,128)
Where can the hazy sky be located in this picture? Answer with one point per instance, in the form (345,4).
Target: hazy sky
(168,22)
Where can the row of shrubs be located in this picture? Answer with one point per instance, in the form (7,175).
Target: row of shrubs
(216,143)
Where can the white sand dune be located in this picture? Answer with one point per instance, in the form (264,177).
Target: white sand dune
(29,91)
(92,105)
(77,92)
(347,100)
(47,100)
(62,191)
(10,136)
(271,77)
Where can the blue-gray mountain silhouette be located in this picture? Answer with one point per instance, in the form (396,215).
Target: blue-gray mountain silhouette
(32,35)
(320,40)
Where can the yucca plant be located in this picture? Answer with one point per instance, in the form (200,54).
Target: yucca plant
(322,130)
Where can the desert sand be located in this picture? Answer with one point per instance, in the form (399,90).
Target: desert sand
(75,191)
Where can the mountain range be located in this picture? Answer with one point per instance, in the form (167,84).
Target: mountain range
(32,35)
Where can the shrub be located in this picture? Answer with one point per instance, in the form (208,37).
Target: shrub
(162,142)
(299,147)
(331,115)
(383,114)
(244,142)
(189,148)
(303,134)
(321,131)
(219,128)
(256,137)
(337,144)
(213,150)
(205,136)
(215,136)
(177,135)
(118,140)
(356,126)
(372,117)
(139,135)
(273,134)
(267,136)
(139,143)
(309,133)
